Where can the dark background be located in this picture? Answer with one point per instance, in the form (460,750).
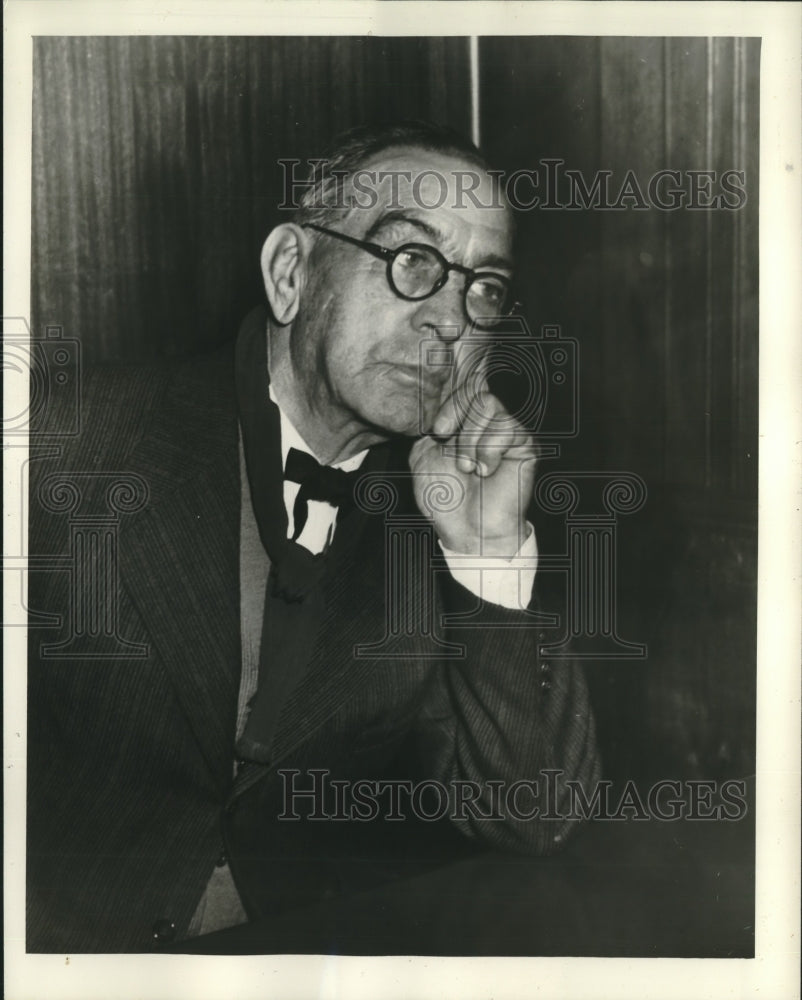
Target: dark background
(155,181)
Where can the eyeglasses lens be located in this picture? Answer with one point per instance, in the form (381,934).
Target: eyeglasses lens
(416,272)
(487,299)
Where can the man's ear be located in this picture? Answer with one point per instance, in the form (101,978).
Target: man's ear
(283,261)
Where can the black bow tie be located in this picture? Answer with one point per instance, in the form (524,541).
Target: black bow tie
(318,482)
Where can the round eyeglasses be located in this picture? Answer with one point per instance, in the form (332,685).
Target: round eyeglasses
(417,271)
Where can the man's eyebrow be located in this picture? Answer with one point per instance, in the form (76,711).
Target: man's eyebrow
(493,260)
(434,234)
(396,216)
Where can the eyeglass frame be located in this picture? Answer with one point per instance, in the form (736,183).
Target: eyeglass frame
(389,255)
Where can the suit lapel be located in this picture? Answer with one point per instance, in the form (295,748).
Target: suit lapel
(180,557)
(180,564)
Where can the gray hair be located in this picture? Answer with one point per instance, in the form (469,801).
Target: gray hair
(351,150)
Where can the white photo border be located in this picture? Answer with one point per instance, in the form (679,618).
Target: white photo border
(773,973)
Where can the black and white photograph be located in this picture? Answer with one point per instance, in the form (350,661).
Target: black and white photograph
(396,427)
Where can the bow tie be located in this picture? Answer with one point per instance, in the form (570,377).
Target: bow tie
(318,482)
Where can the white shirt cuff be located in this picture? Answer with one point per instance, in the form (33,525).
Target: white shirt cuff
(507,582)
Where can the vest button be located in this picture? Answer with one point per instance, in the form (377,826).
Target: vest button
(163,931)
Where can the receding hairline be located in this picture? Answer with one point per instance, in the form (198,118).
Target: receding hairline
(414,151)
(456,156)
(400,149)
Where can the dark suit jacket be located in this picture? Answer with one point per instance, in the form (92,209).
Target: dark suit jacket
(130,757)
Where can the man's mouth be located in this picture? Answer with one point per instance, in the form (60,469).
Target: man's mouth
(430,381)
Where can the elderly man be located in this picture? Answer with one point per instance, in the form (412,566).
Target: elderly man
(223,775)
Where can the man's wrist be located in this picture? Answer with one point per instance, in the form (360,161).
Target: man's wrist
(504,546)
(506,581)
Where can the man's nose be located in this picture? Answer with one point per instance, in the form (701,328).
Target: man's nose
(444,312)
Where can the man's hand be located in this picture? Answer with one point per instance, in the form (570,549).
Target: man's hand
(475,443)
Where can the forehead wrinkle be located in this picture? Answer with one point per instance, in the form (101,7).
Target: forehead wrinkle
(409,217)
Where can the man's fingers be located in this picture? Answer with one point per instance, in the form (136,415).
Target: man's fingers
(471,360)
(447,421)
(480,414)
(488,436)
(503,438)
(475,428)
(475,414)
(493,446)
(468,381)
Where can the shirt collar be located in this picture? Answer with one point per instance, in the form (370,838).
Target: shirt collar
(291,438)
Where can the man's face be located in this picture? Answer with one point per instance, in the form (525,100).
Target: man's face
(354,336)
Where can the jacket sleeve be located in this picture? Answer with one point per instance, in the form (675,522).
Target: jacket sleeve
(504,727)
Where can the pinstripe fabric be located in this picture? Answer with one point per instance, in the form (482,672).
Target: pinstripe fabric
(130,760)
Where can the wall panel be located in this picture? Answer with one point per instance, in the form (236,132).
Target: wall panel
(664,306)
(156,176)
